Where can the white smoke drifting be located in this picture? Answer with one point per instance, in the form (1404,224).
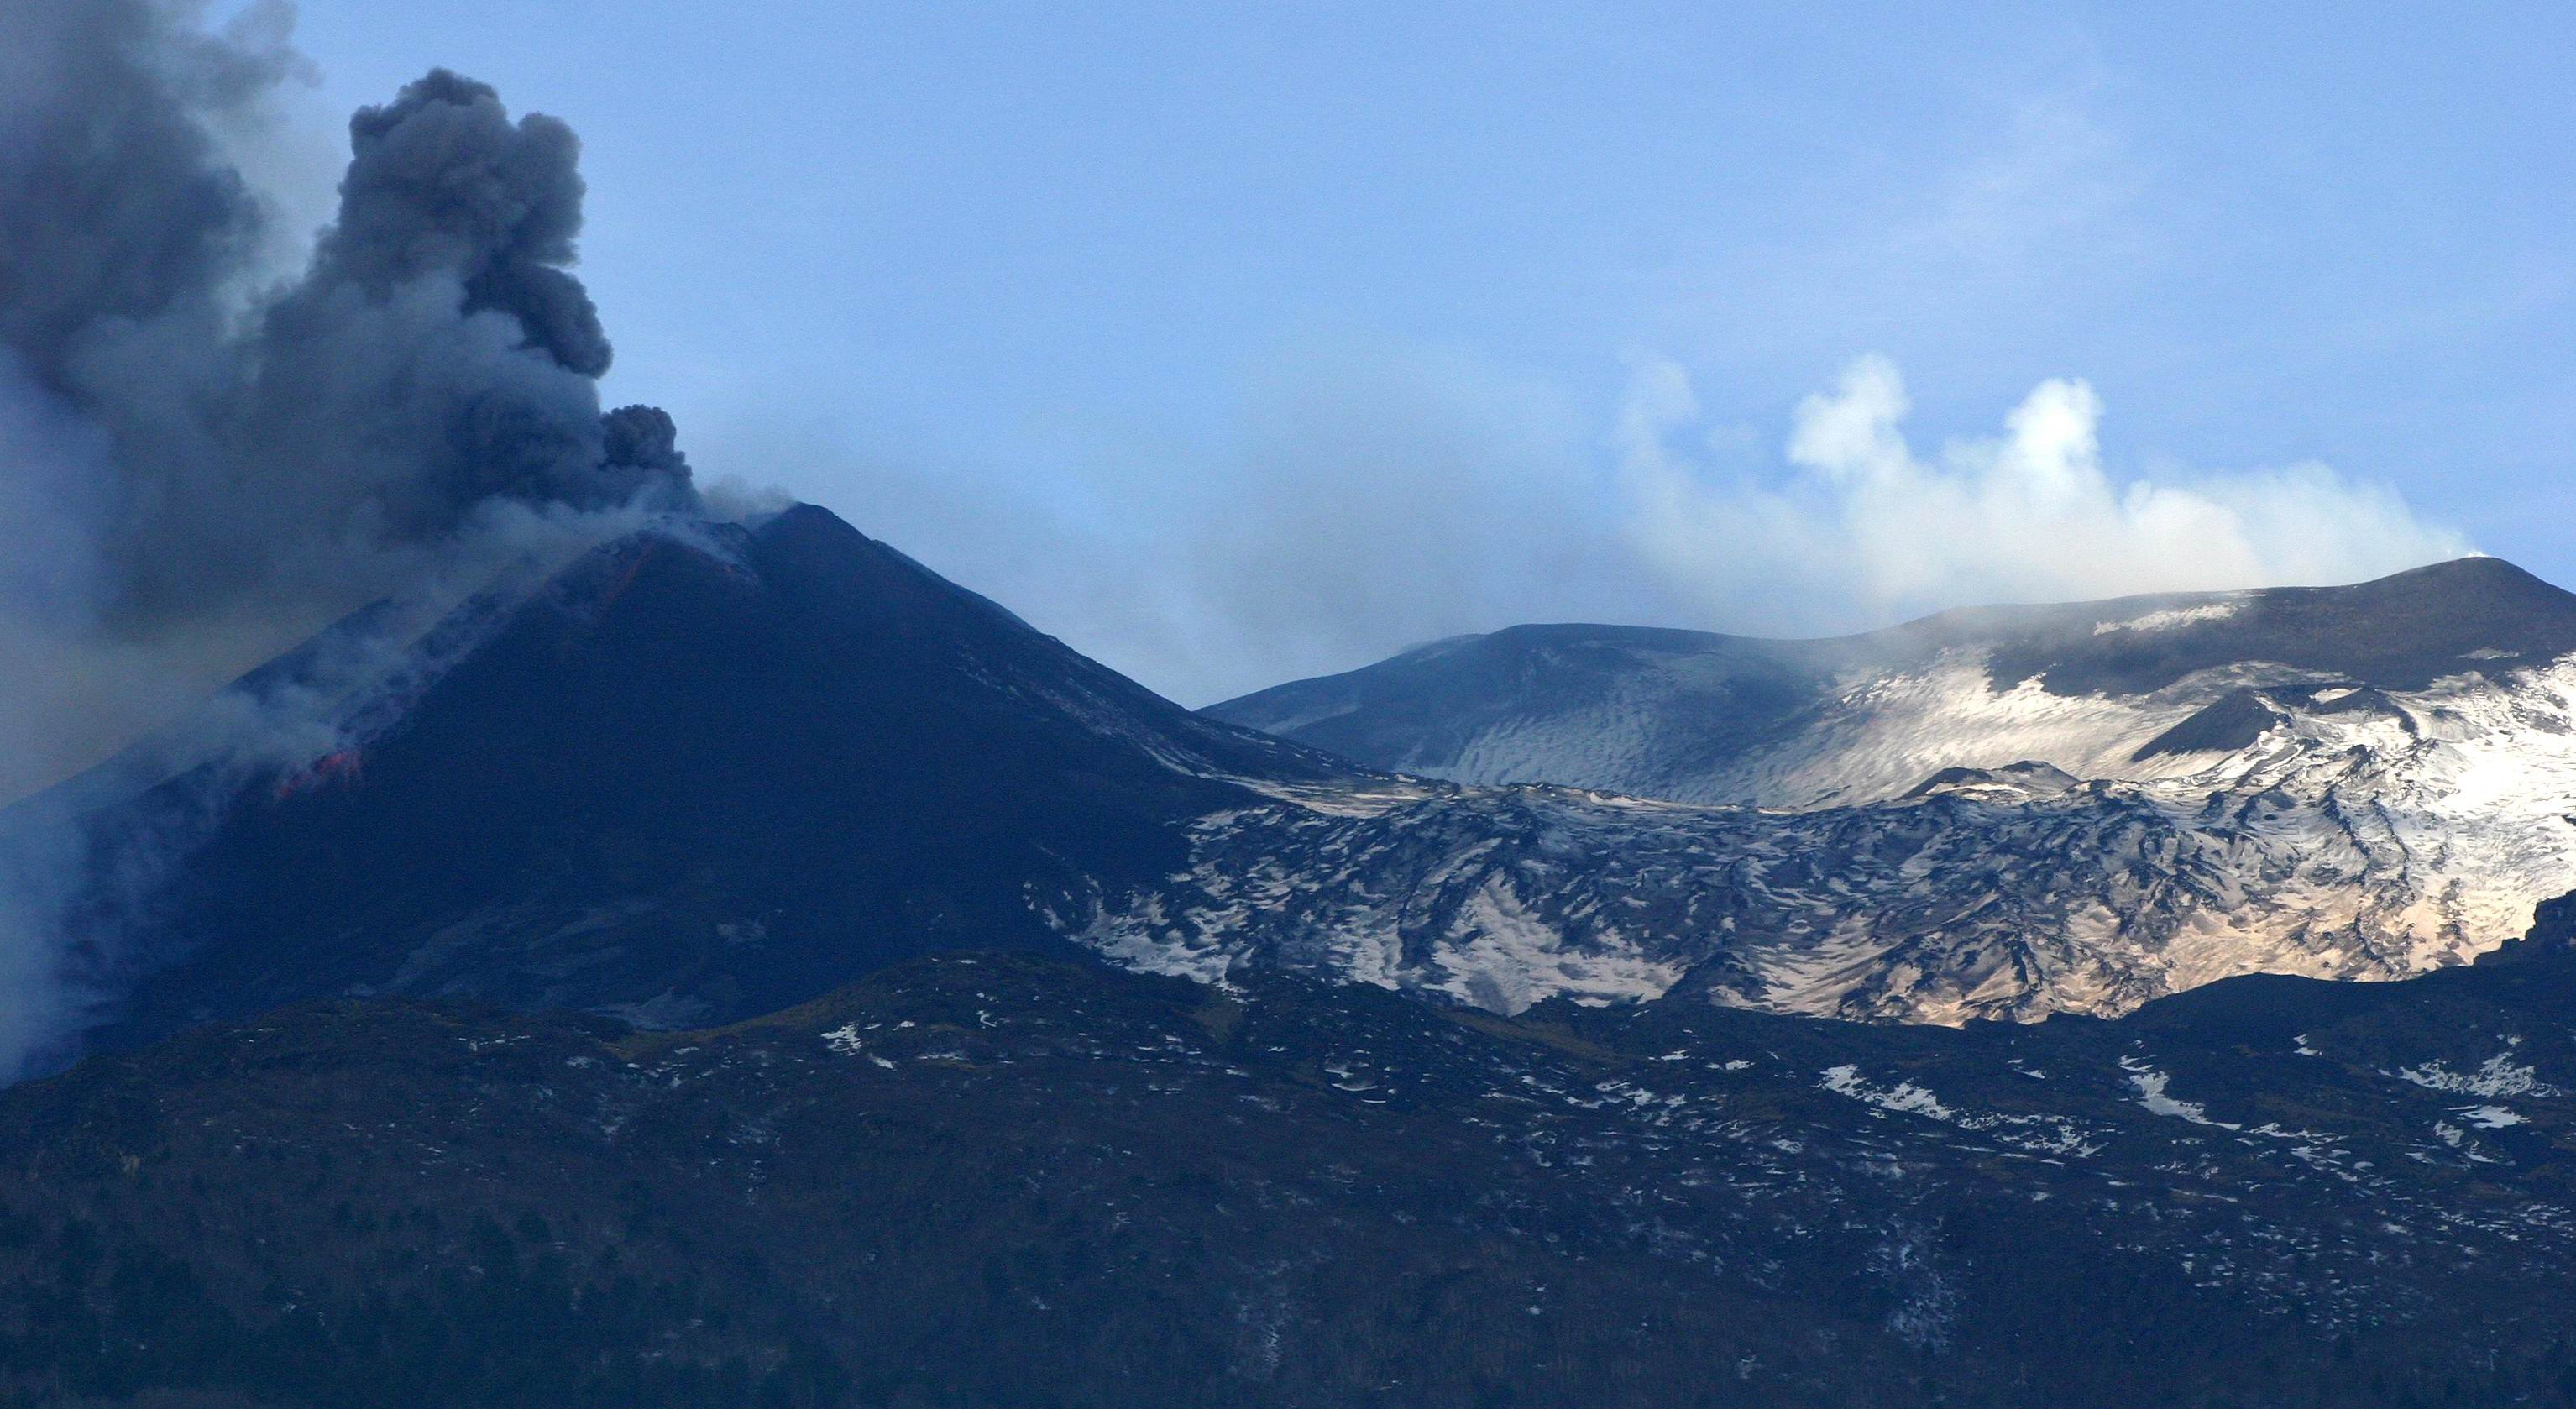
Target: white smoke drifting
(1867,529)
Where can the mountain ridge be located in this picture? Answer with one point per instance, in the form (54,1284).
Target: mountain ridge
(1431,709)
(2140,688)
(701,776)
(2348,782)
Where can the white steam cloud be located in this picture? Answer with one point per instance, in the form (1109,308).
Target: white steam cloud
(1867,528)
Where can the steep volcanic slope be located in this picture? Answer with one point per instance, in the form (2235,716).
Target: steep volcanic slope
(701,774)
(1004,1180)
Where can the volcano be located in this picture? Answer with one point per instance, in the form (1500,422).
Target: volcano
(703,773)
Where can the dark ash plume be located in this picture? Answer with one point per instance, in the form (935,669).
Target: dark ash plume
(201,465)
(442,181)
(113,202)
(304,448)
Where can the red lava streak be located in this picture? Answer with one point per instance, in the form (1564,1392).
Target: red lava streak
(626,575)
(340,767)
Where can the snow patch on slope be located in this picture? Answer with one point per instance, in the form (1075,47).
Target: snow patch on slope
(2150,1085)
(2171,617)
(2499,1075)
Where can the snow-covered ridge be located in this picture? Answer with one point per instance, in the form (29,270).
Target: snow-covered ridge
(2359,834)
(2087,687)
(1995,812)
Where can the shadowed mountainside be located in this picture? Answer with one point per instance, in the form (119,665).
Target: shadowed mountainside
(691,779)
(1009,1180)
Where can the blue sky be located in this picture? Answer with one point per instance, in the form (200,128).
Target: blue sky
(1239,342)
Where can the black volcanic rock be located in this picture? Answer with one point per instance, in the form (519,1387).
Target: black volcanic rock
(700,775)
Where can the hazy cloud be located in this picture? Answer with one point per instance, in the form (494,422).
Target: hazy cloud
(1382,500)
(1369,496)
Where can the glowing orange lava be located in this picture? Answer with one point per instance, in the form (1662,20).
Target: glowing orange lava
(343,766)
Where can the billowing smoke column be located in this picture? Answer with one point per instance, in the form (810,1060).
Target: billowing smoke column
(200,462)
(304,446)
